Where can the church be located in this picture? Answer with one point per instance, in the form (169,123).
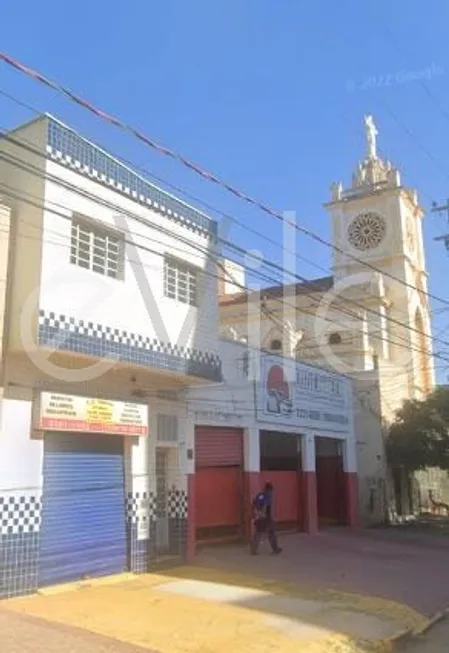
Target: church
(369,319)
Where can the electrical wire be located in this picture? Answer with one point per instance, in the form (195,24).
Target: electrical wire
(38,171)
(193,198)
(34,74)
(41,206)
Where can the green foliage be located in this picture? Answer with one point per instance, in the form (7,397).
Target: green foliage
(419,436)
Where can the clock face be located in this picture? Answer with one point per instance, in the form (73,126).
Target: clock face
(367,231)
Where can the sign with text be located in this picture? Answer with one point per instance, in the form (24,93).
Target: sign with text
(303,396)
(60,412)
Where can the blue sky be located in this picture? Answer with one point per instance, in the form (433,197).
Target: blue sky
(270,96)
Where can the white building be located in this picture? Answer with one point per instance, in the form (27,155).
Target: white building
(273,419)
(129,429)
(109,312)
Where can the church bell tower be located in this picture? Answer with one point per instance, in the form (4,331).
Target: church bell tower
(377,234)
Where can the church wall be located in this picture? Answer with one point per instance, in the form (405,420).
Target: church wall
(370,449)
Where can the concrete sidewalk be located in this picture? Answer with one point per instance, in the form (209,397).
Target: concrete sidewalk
(193,610)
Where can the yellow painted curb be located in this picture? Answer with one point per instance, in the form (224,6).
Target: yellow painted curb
(83,584)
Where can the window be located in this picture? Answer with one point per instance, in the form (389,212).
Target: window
(276,345)
(167,428)
(334,338)
(245,364)
(96,249)
(180,281)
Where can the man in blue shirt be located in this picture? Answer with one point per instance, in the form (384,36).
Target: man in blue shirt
(263,520)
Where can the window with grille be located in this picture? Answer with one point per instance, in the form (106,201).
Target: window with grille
(180,281)
(96,249)
(167,428)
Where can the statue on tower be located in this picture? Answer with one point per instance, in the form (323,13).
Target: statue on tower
(371,133)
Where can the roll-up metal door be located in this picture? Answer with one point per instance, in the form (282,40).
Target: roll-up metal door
(219,507)
(83,531)
(218,447)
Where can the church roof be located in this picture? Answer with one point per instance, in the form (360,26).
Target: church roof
(322,284)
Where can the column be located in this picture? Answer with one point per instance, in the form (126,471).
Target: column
(252,482)
(138,502)
(310,505)
(188,430)
(351,483)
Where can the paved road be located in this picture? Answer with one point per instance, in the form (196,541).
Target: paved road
(435,641)
(390,564)
(23,634)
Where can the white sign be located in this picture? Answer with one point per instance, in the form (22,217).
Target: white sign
(58,412)
(303,396)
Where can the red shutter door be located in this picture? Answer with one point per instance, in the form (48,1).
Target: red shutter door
(218,447)
(287,505)
(218,483)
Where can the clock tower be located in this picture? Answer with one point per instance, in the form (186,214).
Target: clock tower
(379,259)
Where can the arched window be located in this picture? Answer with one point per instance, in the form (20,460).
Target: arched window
(423,356)
(245,364)
(276,345)
(334,338)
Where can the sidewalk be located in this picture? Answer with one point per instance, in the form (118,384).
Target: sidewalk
(23,634)
(193,610)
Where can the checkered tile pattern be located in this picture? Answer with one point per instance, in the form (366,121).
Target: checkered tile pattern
(177,504)
(140,506)
(70,334)
(71,150)
(19,514)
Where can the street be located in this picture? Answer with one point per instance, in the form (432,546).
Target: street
(435,641)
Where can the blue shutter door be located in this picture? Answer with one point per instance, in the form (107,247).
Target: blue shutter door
(83,531)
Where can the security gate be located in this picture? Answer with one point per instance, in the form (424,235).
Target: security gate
(83,531)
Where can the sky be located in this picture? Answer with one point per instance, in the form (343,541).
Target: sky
(269,96)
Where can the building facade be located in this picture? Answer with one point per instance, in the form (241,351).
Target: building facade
(272,419)
(370,319)
(109,312)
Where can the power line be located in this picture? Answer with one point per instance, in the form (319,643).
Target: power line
(41,206)
(197,169)
(198,200)
(138,218)
(269,314)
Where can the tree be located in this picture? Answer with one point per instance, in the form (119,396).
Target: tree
(419,436)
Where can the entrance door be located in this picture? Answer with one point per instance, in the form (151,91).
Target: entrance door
(83,531)
(330,480)
(280,464)
(219,502)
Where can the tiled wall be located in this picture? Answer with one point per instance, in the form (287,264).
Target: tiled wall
(177,513)
(67,333)
(20,513)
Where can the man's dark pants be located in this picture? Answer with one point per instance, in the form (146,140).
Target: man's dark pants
(262,526)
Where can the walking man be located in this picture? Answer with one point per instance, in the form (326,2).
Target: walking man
(263,520)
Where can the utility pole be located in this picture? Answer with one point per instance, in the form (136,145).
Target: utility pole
(442,209)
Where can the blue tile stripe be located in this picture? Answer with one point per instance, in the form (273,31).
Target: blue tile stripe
(20,518)
(69,334)
(70,149)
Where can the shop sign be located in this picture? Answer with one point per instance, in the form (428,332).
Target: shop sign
(295,394)
(58,412)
